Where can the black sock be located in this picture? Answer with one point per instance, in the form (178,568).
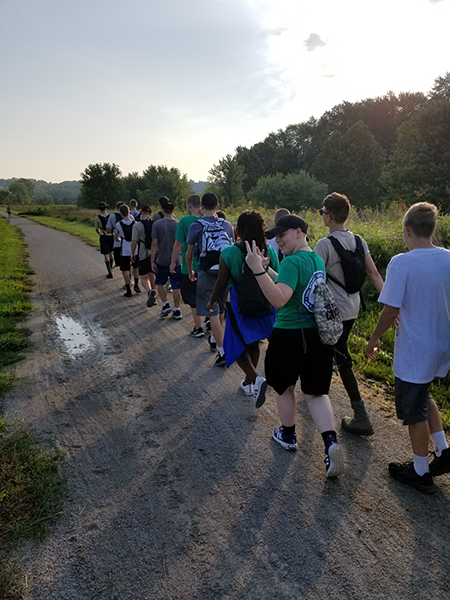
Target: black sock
(108,268)
(128,286)
(288,430)
(136,282)
(329,437)
(350,383)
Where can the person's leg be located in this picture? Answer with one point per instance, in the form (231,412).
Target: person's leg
(176,298)
(136,279)
(197,320)
(321,412)
(287,408)
(217,331)
(246,364)
(145,282)
(108,266)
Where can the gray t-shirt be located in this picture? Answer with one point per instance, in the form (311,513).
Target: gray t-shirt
(164,232)
(138,235)
(348,304)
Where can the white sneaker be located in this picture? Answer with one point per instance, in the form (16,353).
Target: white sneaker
(259,391)
(247,389)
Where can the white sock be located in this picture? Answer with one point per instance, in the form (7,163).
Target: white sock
(212,339)
(221,351)
(439,442)
(421,464)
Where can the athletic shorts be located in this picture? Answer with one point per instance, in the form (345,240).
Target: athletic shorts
(126,264)
(188,291)
(343,358)
(117,256)
(411,401)
(205,285)
(163,275)
(294,353)
(145,266)
(106,244)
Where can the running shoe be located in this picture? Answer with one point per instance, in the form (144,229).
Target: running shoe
(247,388)
(259,391)
(212,345)
(220,360)
(197,332)
(289,442)
(440,464)
(177,314)
(128,294)
(137,289)
(334,460)
(151,300)
(207,324)
(166,310)
(405,473)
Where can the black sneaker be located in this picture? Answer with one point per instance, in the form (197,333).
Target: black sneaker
(151,300)
(334,460)
(440,464)
(109,276)
(207,324)
(137,289)
(165,312)
(288,442)
(220,360)
(405,473)
(128,294)
(212,345)
(176,314)
(198,333)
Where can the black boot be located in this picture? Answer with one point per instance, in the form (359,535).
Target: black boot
(360,423)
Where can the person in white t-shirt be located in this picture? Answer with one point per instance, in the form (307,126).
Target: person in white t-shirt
(335,210)
(123,233)
(416,295)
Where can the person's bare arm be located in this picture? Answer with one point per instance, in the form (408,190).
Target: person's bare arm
(276,293)
(190,261)
(175,254)
(116,235)
(372,272)
(133,247)
(153,254)
(386,319)
(221,284)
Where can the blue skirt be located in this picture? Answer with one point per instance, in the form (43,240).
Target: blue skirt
(250,329)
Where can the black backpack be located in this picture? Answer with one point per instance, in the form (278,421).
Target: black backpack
(251,300)
(148,226)
(127,229)
(103,221)
(353,265)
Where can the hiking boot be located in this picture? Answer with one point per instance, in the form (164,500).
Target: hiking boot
(151,300)
(137,289)
(247,388)
(360,423)
(289,442)
(207,324)
(166,310)
(198,333)
(109,276)
(177,314)
(334,460)
(405,473)
(440,464)
(212,345)
(259,391)
(220,360)
(128,294)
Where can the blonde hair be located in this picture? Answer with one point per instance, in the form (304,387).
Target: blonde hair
(421,218)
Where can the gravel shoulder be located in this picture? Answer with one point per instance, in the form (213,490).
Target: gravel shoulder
(177,491)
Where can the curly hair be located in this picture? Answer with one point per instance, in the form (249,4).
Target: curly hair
(250,226)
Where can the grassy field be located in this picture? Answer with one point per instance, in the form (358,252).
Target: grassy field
(31,489)
(382,230)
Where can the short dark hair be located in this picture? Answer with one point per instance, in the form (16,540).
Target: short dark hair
(119,204)
(194,200)
(133,203)
(338,206)
(221,214)
(421,218)
(209,201)
(281,212)
(124,210)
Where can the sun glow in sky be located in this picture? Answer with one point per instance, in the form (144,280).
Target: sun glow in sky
(183,83)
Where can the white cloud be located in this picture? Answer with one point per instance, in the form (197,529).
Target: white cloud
(314,41)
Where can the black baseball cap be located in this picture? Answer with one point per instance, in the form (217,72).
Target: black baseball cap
(285,223)
(146,209)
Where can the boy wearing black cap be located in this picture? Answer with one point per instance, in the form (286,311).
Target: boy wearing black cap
(106,239)
(295,349)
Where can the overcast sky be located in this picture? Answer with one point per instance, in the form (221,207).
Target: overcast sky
(182,83)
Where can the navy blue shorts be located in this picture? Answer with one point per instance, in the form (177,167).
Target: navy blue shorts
(163,274)
(411,401)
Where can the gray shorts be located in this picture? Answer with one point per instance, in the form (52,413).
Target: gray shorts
(205,286)
(411,401)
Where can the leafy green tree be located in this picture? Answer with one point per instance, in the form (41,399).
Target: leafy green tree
(351,163)
(101,183)
(6,197)
(441,88)
(419,168)
(295,191)
(227,177)
(21,193)
(132,183)
(44,200)
(29,185)
(160,181)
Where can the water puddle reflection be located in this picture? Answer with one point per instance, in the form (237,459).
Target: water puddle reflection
(75,337)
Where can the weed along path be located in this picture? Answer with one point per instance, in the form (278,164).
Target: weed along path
(176,489)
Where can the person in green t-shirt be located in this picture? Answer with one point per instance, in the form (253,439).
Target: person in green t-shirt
(295,350)
(188,287)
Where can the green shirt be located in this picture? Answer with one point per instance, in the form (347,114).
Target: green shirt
(296,271)
(181,235)
(234,259)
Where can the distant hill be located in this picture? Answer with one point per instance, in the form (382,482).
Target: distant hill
(65,192)
(198,187)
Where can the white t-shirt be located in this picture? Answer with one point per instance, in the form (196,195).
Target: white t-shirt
(418,283)
(348,304)
(126,246)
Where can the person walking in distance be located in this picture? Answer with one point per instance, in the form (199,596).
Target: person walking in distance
(123,233)
(106,239)
(141,240)
(341,244)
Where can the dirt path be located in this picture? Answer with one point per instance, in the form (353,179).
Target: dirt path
(177,491)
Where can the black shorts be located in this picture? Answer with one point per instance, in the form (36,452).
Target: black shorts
(145,266)
(411,401)
(126,264)
(106,244)
(188,291)
(343,358)
(117,256)
(294,353)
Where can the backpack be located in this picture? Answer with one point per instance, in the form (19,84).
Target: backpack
(103,221)
(148,226)
(213,239)
(250,297)
(127,231)
(353,265)
(318,299)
